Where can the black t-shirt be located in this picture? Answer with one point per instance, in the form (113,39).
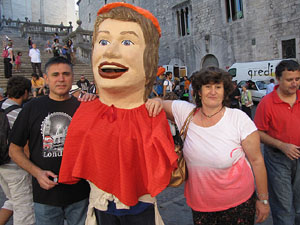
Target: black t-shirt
(44,122)
(236,92)
(84,85)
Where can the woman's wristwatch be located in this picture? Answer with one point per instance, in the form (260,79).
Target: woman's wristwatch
(265,201)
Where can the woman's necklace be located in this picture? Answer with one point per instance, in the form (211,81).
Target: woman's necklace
(210,116)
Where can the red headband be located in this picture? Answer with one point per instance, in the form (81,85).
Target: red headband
(143,12)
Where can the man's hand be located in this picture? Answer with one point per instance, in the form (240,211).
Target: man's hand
(87,97)
(44,181)
(262,212)
(154,106)
(290,150)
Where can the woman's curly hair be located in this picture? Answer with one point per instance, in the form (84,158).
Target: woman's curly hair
(213,75)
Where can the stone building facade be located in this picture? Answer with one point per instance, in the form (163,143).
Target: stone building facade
(45,11)
(218,32)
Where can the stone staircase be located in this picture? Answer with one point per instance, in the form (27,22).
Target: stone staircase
(21,45)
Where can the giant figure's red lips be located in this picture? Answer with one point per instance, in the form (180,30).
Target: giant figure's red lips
(111,70)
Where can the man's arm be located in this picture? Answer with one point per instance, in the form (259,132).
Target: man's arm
(164,91)
(17,154)
(290,150)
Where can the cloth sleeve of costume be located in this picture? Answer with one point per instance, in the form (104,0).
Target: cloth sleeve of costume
(123,152)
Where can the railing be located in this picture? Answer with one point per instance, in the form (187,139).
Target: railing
(82,39)
(36,30)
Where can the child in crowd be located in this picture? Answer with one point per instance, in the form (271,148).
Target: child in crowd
(38,85)
(48,47)
(18,62)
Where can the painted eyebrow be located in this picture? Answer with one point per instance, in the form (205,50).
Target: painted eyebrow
(129,32)
(103,31)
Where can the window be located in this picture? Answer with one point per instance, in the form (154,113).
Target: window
(289,49)
(183,23)
(90,18)
(234,9)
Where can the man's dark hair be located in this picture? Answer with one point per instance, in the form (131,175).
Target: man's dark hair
(57,60)
(168,73)
(17,85)
(35,75)
(272,80)
(286,65)
(213,75)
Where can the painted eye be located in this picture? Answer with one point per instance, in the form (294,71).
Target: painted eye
(127,42)
(104,42)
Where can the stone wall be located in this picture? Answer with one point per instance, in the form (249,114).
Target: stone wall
(44,11)
(258,35)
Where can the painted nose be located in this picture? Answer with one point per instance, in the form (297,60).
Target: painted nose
(112,51)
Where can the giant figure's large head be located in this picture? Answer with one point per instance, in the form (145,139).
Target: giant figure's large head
(125,48)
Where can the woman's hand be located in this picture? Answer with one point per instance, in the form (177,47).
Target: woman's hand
(154,106)
(262,211)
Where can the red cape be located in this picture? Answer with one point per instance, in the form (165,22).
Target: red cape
(122,151)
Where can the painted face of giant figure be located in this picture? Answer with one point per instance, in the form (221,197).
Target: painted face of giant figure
(125,51)
(118,56)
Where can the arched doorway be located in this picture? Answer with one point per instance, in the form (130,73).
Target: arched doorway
(210,60)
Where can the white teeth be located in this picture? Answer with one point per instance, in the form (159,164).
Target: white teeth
(111,67)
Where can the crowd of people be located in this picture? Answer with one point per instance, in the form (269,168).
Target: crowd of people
(119,151)
(13,59)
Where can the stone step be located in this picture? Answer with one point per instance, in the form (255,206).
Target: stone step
(20,44)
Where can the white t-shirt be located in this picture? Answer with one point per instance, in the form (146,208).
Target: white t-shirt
(35,55)
(220,177)
(9,49)
(169,85)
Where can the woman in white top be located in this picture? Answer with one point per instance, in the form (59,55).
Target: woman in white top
(221,150)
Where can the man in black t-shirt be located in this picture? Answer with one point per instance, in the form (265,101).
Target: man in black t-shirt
(83,83)
(235,96)
(43,123)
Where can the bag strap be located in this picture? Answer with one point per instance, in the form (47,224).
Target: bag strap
(186,124)
(10,108)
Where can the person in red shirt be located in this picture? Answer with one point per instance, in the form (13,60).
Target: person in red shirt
(278,120)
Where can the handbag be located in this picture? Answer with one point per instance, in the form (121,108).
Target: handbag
(180,174)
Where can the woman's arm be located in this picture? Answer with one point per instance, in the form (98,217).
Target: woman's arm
(11,55)
(155,105)
(251,146)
